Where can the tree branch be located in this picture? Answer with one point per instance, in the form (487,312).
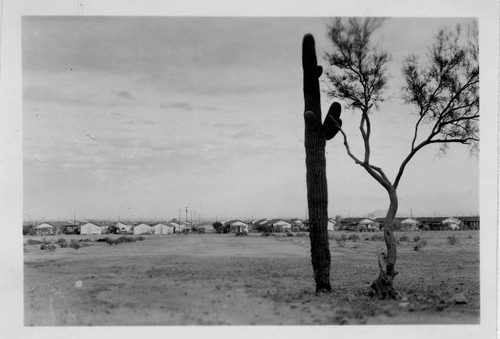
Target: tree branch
(374,171)
(406,160)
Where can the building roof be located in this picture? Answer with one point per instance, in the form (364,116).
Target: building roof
(366,221)
(61,223)
(351,220)
(44,225)
(410,221)
(277,222)
(162,224)
(451,220)
(238,223)
(142,225)
(90,223)
(469,218)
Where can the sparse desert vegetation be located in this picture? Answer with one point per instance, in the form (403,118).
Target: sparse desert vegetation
(221,279)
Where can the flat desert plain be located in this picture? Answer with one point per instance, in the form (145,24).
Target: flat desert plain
(222,279)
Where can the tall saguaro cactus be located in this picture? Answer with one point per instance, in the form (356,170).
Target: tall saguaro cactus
(316,135)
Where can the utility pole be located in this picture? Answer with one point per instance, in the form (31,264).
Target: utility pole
(186,215)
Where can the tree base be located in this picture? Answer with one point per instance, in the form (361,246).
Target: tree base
(383,288)
(323,288)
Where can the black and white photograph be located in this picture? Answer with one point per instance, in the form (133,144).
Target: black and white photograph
(205,171)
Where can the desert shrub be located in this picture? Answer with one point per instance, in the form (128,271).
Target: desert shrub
(111,241)
(84,243)
(302,234)
(121,240)
(343,237)
(376,237)
(48,247)
(417,238)
(62,242)
(201,230)
(340,241)
(185,231)
(354,237)
(217,226)
(34,242)
(453,240)
(85,240)
(420,244)
(102,239)
(74,244)
(290,234)
(404,238)
(266,234)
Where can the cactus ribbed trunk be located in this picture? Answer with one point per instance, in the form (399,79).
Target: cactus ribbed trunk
(317,199)
(317,190)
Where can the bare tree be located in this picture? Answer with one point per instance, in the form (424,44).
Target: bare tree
(444,90)
(316,135)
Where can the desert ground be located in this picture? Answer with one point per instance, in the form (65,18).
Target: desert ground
(223,279)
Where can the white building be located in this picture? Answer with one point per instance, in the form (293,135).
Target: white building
(451,223)
(331,225)
(143,229)
(238,227)
(280,225)
(90,228)
(178,228)
(410,224)
(45,229)
(124,228)
(369,224)
(162,229)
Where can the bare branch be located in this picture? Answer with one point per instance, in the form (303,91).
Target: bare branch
(348,149)
(374,171)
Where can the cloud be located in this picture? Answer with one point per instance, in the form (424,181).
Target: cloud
(238,125)
(252,135)
(211,108)
(46,95)
(180,105)
(124,95)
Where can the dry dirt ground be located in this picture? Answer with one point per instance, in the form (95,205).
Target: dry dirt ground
(211,279)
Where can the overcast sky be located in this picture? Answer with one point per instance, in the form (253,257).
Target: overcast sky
(138,117)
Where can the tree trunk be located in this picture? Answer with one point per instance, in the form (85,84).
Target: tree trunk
(317,191)
(383,285)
